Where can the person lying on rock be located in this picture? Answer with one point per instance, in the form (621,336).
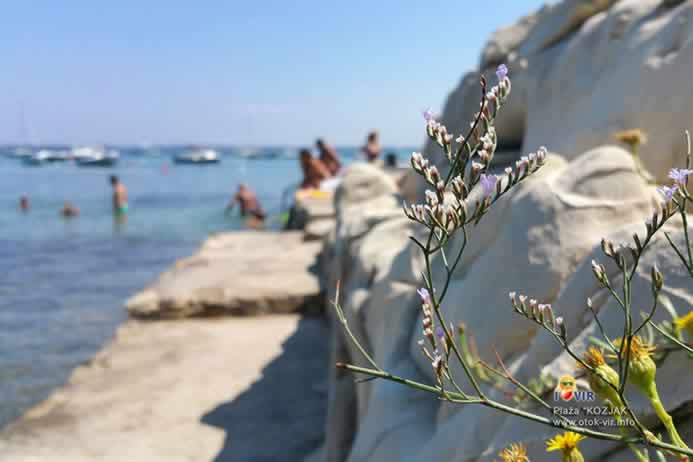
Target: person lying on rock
(248,202)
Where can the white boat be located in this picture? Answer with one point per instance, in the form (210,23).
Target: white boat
(38,158)
(44,156)
(95,157)
(198,157)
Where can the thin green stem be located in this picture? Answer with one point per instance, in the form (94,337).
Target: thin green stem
(671,338)
(455,397)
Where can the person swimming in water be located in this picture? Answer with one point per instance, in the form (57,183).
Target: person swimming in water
(69,210)
(247,200)
(120,196)
(24,204)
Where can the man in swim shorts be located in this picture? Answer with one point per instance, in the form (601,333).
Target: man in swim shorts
(248,202)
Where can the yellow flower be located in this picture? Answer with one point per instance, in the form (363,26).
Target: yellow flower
(632,137)
(639,350)
(567,444)
(684,323)
(594,357)
(641,369)
(514,453)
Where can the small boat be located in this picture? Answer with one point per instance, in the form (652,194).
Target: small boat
(95,157)
(38,158)
(45,156)
(199,157)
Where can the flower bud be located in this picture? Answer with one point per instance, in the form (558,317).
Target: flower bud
(599,273)
(475,172)
(513,299)
(657,279)
(431,198)
(561,329)
(541,155)
(603,379)
(522,305)
(546,314)
(434,175)
(533,309)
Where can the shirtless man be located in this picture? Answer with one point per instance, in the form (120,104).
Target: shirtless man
(329,157)
(372,148)
(248,203)
(313,170)
(120,196)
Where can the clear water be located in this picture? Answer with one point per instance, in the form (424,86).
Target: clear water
(63,283)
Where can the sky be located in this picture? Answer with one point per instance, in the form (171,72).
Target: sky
(239,73)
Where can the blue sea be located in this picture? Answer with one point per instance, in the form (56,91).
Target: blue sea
(63,283)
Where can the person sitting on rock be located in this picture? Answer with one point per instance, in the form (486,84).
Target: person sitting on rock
(248,202)
(313,170)
(328,157)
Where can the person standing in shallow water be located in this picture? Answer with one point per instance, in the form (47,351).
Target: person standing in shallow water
(328,157)
(372,148)
(120,196)
(247,200)
(24,204)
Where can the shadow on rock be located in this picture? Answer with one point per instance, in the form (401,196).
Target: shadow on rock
(282,415)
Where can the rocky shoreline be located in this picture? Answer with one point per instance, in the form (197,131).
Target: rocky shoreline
(149,395)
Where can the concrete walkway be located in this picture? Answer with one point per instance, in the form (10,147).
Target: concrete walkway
(222,389)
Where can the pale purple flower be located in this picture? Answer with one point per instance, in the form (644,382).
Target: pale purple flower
(428,115)
(502,72)
(425,296)
(668,191)
(488,183)
(440,333)
(680,175)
